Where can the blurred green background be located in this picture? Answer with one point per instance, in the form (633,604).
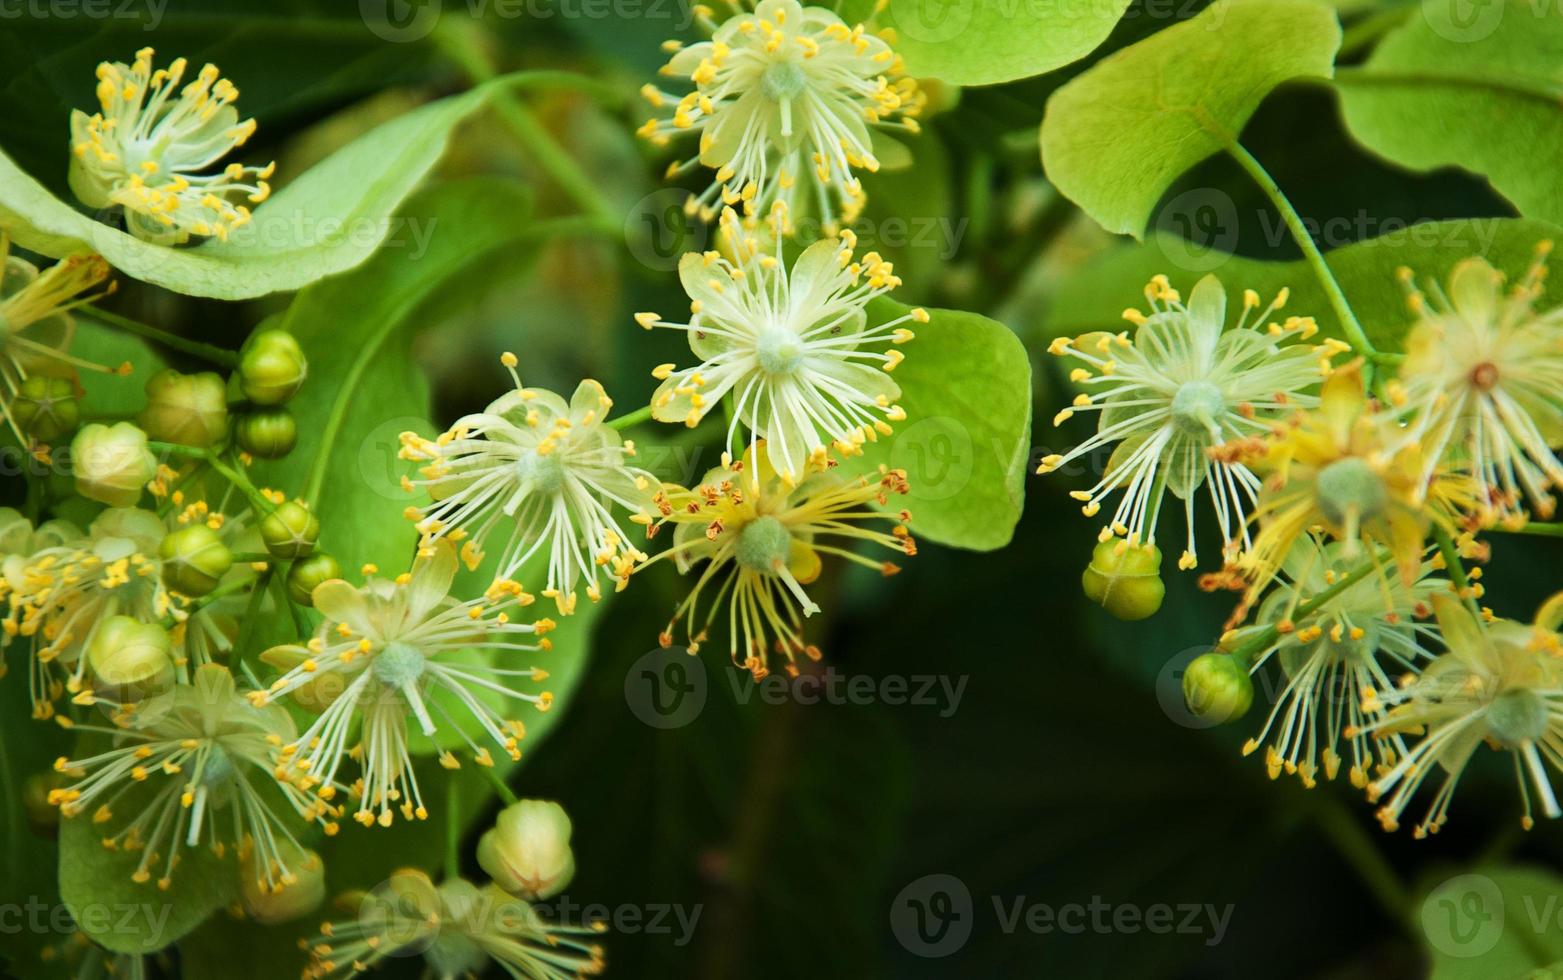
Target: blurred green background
(802,831)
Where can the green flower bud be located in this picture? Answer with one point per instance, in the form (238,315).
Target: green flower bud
(307,573)
(1217,687)
(46,408)
(112,463)
(527,852)
(290,531)
(194,559)
(188,409)
(269,433)
(130,659)
(1125,579)
(272,367)
(298,884)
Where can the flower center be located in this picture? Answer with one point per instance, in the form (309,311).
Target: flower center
(783,81)
(1485,376)
(397,664)
(1349,488)
(1195,407)
(544,470)
(780,350)
(218,770)
(1515,717)
(764,544)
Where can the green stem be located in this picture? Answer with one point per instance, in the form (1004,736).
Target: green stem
(1315,258)
(452,829)
(1456,568)
(1244,654)
(629,419)
(231,474)
(220,356)
(462,47)
(1345,831)
(500,786)
(1526,87)
(221,592)
(1540,529)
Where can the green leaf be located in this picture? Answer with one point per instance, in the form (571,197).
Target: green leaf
(113,394)
(966,388)
(365,386)
(1094,299)
(1114,139)
(1496,923)
(984,42)
(327,220)
(122,915)
(1484,94)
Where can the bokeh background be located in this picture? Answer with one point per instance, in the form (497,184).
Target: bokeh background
(1066,770)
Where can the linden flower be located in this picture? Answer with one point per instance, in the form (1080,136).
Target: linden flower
(61,594)
(762,538)
(206,753)
(1500,683)
(542,476)
(35,323)
(784,93)
(1332,654)
(794,350)
(152,146)
(1343,468)
(390,648)
(1482,383)
(1177,392)
(458,927)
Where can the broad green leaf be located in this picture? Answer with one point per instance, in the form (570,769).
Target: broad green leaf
(324,221)
(128,917)
(984,42)
(1483,93)
(365,386)
(1494,923)
(966,388)
(1114,139)
(1094,299)
(113,394)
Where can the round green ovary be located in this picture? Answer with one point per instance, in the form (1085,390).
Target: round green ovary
(219,770)
(1516,717)
(1196,406)
(1350,485)
(783,80)
(779,350)
(545,472)
(764,545)
(398,664)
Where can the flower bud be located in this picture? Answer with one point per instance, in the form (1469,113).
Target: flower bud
(112,462)
(290,531)
(188,409)
(269,433)
(527,852)
(1125,579)
(194,559)
(271,367)
(308,573)
(298,884)
(1217,687)
(46,408)
(130,659)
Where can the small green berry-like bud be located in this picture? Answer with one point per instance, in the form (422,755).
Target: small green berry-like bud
(1125,579)
(308,573)
(296,889)
(270,433)
(188,409)
(46,408)
(290,531)
(194,559)
(527,852)
(1217,688)
(113,463)
(271,367)
(130,659)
